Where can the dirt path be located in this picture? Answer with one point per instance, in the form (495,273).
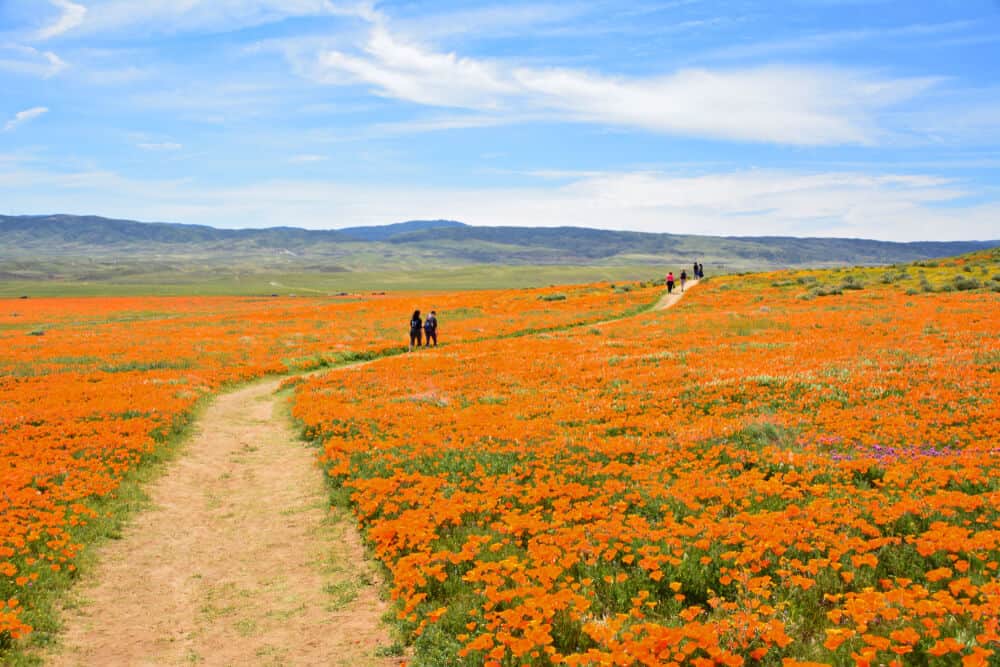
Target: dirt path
(668,300)
(239,562)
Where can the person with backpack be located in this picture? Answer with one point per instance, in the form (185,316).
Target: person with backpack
(701,271)
(415,329)
(431,329)
(670,282)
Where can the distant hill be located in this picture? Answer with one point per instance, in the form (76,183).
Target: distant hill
(598,244)
(383,232)
(73,247)
(90,230)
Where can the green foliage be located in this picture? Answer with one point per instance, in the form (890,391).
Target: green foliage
(139,366)
(963,283)
(824,290)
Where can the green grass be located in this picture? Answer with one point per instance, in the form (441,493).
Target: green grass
(235,283)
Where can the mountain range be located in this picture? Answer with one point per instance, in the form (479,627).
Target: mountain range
(56,242)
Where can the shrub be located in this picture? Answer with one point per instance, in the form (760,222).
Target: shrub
(826,290)
(963,283)
(851,283)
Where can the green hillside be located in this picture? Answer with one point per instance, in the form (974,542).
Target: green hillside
(89,254)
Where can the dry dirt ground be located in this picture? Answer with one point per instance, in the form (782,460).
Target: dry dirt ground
(238,562)
(668,300)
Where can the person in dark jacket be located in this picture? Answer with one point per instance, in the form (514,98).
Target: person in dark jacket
(431,328)
(415,329)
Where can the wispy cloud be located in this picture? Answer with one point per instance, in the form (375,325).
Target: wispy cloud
(27,60)
(447,122)
(492,20)
(166,146)
(247,97)
(174,16)
(822,41)
(307,158)
(117,76)
(25,116)
(72,16)
(799,105)
(748,202)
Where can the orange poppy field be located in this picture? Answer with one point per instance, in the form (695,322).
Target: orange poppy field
(784,468)
(90,387)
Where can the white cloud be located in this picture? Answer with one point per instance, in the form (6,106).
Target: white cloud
(820,41)
(27,60)
(307,158)
(207,98)
(407,72)
(799,105)
(897,207)
(72,16)
(25,116)
(440,123)
(174,16)
(491,20)
(164,146)
(117,76)
(958,117)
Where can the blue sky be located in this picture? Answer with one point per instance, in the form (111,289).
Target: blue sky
(856,118)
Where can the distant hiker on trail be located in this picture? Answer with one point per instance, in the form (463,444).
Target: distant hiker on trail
(684,277)
(431,329)
(695,274)
(670,282)
(415,328)
(701,271)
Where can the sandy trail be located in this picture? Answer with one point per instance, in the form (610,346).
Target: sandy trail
(239,562)
(667,300)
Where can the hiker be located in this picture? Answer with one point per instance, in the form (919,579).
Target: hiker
(701,271)
(415,328)
(695,274)
(684,277)
(431,329)
(670,282)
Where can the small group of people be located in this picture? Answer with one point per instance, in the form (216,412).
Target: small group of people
(423,329)
(698,272)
